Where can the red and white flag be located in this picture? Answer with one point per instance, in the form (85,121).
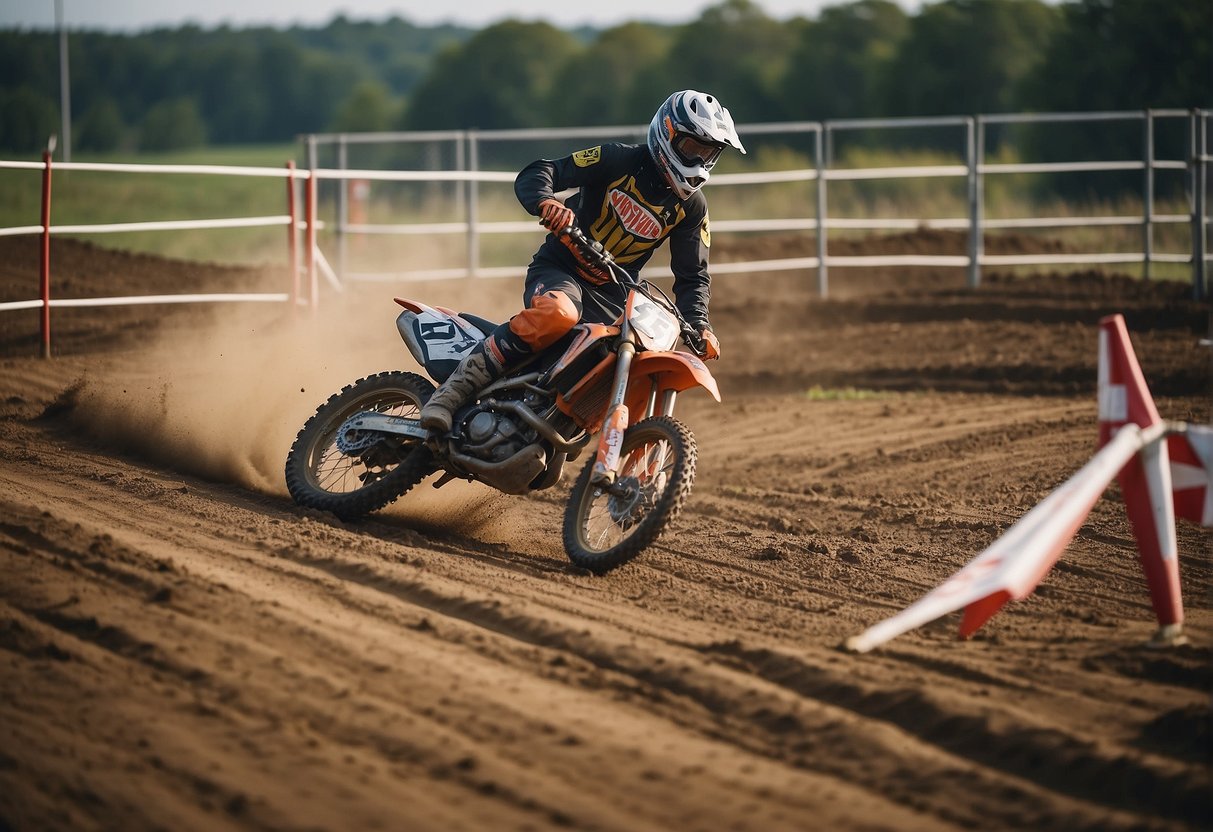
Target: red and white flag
(1192,473)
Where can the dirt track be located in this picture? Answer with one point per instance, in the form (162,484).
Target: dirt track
(182,648)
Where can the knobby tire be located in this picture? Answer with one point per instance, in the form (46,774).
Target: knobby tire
(364,394)
(665,509)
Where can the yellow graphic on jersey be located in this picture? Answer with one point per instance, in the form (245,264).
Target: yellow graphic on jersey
(628,225)
(705,233)
(587,157)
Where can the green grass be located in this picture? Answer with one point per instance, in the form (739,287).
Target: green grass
(88,197)
(816,393)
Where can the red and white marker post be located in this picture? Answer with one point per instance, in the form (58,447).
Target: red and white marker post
(1136,450)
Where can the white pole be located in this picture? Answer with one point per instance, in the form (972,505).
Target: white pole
(65,84)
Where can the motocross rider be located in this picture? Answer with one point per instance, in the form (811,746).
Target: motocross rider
(631,198)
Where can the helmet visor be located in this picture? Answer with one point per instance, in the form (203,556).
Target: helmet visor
(694,151)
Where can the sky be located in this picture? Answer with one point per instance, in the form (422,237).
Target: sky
(136,15)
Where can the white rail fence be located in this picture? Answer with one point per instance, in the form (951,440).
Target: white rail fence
(304,272)
(468,146)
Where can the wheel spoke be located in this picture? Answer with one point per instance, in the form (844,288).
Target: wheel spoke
(606,527)
(647,467)
(337,473)
(375,467)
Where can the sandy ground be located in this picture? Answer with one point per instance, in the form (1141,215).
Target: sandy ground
(183,648)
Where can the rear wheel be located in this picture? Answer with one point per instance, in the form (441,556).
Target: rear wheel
(606,527)
(375,468)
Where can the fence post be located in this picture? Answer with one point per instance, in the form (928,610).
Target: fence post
(975,141)
(460,190)
(473,197)
(1202,193)
(309,237)
(310,193)
(1196,179)
(45,259)
(1147,230)
(823,277)
(292,236)
(343,207)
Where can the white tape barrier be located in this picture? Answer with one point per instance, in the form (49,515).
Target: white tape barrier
(419,175)
(788,264)
(17,230)
(112,167)
(782,224)
(759,177)
(1013,566)
(230,297)
(171,225)
(768,225)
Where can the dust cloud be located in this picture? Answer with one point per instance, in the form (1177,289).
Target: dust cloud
(223,397)
(224,401)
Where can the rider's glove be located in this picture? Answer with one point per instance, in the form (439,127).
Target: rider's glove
(711,344)
(555,215)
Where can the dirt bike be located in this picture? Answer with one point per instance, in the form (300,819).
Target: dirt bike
(365,447)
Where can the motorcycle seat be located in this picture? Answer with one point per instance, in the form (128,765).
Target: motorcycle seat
(483,324)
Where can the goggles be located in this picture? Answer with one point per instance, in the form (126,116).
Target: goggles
(694,151)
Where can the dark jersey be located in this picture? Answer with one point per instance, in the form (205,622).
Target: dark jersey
(625,204)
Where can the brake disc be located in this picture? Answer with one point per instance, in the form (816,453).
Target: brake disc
(626,494)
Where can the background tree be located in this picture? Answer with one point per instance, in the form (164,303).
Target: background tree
(1126,55)
(968,56)
(101,128)
(733,51)
(503,77)
(838,67)
(1120,55)
(369,108)
(235,109)
(171,125)
(863,58)
(27,120)
(596,83)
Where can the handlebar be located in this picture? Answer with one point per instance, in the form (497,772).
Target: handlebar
(597,254)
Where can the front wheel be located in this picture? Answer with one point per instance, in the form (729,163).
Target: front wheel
(606,527)
(374,468)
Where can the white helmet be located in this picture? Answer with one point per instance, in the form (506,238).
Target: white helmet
(686,137)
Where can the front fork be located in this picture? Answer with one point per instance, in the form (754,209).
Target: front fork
(610,441)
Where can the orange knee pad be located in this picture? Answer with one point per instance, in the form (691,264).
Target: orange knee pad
(549,317)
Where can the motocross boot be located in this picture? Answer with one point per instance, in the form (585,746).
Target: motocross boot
(472,375)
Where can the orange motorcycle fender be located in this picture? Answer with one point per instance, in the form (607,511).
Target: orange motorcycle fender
(412,305)
(421,308)
(675,371)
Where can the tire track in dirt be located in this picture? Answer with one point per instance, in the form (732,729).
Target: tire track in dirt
(1048,754)
(184,653)
(730,716)
(449,713)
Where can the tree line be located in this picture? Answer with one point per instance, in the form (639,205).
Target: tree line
(169,88)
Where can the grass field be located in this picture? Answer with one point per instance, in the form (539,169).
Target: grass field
(87,197)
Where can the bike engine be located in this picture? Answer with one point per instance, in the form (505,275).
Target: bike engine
(494,437)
